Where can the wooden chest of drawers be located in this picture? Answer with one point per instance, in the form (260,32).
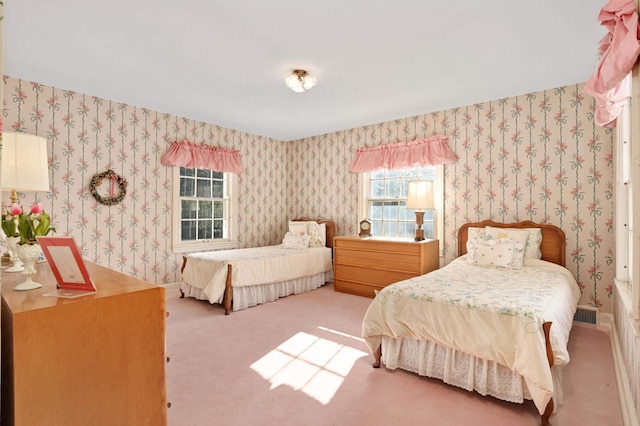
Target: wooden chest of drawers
(363,265)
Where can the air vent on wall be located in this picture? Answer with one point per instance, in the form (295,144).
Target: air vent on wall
(587,314)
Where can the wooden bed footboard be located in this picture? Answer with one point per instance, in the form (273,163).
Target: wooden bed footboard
(546,327)
(228,290)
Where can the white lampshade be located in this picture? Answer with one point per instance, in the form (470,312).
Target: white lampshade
(420,195)
(24,163)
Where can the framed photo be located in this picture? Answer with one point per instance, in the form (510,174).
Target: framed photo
(66,264)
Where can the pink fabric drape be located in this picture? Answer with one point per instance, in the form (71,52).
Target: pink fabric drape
(189,154)
(610,84)
(404,155)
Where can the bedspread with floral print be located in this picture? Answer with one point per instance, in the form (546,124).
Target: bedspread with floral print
(492,313)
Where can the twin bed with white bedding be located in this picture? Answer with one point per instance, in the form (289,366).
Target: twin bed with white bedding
(246,277)
(495,320)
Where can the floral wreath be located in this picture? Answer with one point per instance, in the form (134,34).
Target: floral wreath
(115,180)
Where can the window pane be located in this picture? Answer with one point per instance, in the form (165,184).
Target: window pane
(203,173)
(377,174)
(217,175)
(218,209)
(205,209)
(393,173)
(377,189)
(218,189)
(376,227)
(187,171)
(390,211)
(189,209)
(218,229)
(187,187)
(204,188)
(188,230)
(404,213)
(428,230)
(204,229)
(375,211)
(393,188)
(390,228)
(407,229)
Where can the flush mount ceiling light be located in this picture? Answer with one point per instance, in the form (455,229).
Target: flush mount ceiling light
(300,81)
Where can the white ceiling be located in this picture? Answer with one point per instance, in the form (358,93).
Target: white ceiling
(224,61)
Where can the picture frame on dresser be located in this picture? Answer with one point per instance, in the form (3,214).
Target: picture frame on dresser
(67,266)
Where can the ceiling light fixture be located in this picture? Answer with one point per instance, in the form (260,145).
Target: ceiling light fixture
(300,81)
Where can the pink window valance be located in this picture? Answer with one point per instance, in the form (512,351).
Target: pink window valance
(404,155)
(189,154)
(610,84)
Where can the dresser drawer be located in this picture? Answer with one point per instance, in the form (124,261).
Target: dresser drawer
(381,277)
(379,260)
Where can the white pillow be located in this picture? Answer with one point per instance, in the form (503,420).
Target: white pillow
(315,239)
(295,241)
(306,227)
(298,227)
(502,253)
(532,249)
(323,233)
(519,235)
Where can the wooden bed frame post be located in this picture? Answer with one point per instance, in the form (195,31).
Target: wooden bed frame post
(546,327)
(228,292)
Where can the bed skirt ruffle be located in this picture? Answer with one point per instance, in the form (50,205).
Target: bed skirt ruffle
(247,296)
(460,369)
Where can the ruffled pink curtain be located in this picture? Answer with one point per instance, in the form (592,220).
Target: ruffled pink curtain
(189,154)
(610,84)
(404,155)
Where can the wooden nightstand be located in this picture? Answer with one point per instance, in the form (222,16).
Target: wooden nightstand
(363,265)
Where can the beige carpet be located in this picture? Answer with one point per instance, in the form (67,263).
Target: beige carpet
(300,361)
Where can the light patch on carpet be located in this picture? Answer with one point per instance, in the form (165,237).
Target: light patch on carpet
(310,364)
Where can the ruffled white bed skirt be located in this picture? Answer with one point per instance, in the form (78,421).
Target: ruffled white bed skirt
(247,296)
(460,369)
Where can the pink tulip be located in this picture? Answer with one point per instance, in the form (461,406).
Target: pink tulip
(15,209)
(36,208)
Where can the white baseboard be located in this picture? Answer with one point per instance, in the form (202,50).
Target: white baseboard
(172,286)
(629,415)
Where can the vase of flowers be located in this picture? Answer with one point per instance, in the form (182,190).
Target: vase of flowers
(35,223)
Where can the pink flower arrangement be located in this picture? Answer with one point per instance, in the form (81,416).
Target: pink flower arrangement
(27,226)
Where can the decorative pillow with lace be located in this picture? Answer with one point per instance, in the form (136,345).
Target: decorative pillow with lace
(501,253)
(295,241)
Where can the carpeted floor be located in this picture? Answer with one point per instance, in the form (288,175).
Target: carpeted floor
(300,361)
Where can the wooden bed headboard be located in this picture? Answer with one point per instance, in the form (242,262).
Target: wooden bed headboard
(332,228)
(553,246)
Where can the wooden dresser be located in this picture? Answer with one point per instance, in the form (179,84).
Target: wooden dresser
(94,360)
(362,265)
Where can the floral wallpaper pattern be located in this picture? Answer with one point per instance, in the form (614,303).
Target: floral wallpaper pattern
(538,156)
(87,135)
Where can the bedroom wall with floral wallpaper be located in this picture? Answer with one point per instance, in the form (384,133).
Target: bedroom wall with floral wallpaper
(537,156)
(87,135)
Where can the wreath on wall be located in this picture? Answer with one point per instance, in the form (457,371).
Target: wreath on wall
(114,180)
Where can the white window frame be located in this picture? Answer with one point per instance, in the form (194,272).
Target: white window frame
(230,242)
(627,234)
(438,193)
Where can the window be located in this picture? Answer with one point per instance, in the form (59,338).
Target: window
(385,195)
(627,174)
(204,206)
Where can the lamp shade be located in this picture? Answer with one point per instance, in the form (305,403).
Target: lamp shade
(24,163)
(420,195)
